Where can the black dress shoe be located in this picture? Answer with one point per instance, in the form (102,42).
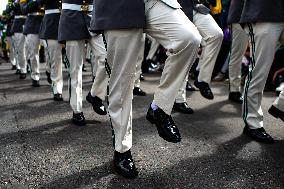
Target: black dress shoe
(204,89)
(124,164)
(142,77)
(183,108)
(84,68)
(236,97)
(23,76)
(275,112)
(18,72)
(259,135)
(97,104)
(79,119)
(138,92)
(48,77)
(57,97)
(14,67)
(165,125)
(35,83)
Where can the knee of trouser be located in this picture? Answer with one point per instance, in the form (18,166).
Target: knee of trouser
(217,36)
(187,40)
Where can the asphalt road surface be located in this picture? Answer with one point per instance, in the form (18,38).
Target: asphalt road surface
(41,148)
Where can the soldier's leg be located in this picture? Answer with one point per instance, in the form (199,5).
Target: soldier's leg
(153,49)
(238,48)
(264,41)
(75,55)
(212,37)
(19,39)
(138,71)
(172,29)
(99,88)
(122,56)
(55,60)
(33,55)
(11,50)
(277,108)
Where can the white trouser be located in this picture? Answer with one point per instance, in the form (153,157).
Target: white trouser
(32,53)
(181,96)
(75,55)
(138,70)
(238,48)
(54,64)
(10,41)
(212,37)
(19,41)
(99,87)
(181,39)
(265,39)
(153,48)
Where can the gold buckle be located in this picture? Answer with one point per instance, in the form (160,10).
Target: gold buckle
(84,8)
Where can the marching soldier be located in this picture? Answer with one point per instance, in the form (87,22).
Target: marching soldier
(19,39)
(35,14)
(264,23)
(9,35)
(49,35)
(212,37)
(164,21)
(73,29)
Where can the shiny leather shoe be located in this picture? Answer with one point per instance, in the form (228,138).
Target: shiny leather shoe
(204,89)
(18,72)
(259,135)
(165,125)
(275,112)
(236,97)
(48,77)
(182,108)
(35,83)
(124,164)
(57,97)
(97,104)
(79,119)
(142,77)
(138,92)
(23,76)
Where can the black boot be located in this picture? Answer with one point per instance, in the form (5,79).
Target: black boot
(275,112)
(124,164)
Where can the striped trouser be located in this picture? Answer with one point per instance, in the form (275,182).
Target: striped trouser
(265,39)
